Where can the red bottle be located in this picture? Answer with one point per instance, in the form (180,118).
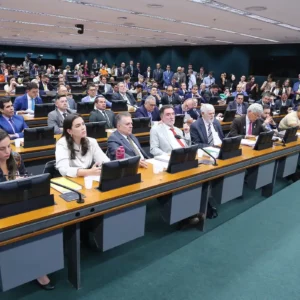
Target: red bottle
(120,153)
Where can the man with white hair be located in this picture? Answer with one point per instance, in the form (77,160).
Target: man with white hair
(187,109)
(250,124)
(207,131)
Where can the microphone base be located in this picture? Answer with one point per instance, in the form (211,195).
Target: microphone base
(206,162)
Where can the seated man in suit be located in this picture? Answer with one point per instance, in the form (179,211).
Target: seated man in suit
(204,93)
(290,120)
(45,85)
(207,131)
(92,92)
(123,137)
(250,124)
(269,123)
(56,117)
(14,125)
(183,90)
(163,136)
(239,90)
(103,85)
(238,104)
(149,109)
(214,92)
(25,104)
(101,114)
(170,97)
(123,94)
(195,95)
(266,100)
(284,101)
(187,109)
(62,90)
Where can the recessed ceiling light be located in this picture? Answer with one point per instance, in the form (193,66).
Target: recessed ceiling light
(255,29)
(129,24)
(155,6)
(210,37)
(122,18)
(256,8)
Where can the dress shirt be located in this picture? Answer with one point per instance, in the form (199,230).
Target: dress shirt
(234,94)
(172,139)
(62,113)
(124,96)
(45,87)
(29,109)
(135,146)
(239,109)
(69,167)
(208,81)
(216,138)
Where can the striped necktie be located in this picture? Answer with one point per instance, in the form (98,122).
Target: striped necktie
(210,139)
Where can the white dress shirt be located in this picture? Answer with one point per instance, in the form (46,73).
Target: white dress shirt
(69,167)
(216,138)
(29,109)
(172,139)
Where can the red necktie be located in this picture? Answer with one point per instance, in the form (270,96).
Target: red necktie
(250,129)
(178,140)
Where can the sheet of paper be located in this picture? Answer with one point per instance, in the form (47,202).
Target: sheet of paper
(157,162)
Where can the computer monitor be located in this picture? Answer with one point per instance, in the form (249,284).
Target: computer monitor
(246,98)
(214,100)
(229,115)
(264,141)
(141,125)
(39,136)
(96,130)
(71,78)
(119,105)
(230,147)
(290,135)
(47,99)
(179,120)
(183,159)
(119,173)
(229,99)
(25,194)
(78,89)
(42,110)
(283,110)
(20,90)
(85,107)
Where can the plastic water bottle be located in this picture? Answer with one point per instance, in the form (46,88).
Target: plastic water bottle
(120,153)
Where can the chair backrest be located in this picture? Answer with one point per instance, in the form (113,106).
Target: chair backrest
(50,168)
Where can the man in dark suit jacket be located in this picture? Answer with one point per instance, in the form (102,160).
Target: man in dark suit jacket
(124,95)
(238,104)
(149,109)
(25,104)
(207,131)
(137,71)
(195,95)
(187,108)
(266,100)
(121,70)
(158,75)
(14,125)
(123,137)
(170,97)
(130,68)
(284,101)
(183,90)
(167,76)
(101,114)
(250,124)
(44,84)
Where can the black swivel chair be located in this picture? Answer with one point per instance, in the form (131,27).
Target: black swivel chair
(50,168)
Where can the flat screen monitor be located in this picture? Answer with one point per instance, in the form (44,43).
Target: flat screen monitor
(183,159)
(141,125)
(25,194)
(283,110)
(96,130)
(71,78)
(119,173)
(214,100)
(78,89)
(119,105)
(230,147)
(264,141)
(42,110)
(229,99)
(229,115)
(39,136)
(48,99)
(290,135)
(20,90)
(179,120)
(246,98)
(85,107)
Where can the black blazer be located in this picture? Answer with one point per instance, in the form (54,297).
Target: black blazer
(118,96)
(175,99)
(97,116)
(232,105)
(41,87)
(278,104)
(238,127)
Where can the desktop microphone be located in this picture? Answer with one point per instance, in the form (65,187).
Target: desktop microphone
(205,162)
(79,200)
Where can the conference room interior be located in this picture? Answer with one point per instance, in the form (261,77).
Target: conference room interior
(158,217)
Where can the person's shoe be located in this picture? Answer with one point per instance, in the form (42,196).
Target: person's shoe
(193,221)
(47,287)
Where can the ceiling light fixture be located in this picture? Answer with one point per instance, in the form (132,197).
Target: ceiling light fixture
(256,8)
(155,6)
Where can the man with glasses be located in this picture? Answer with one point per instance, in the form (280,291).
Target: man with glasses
(238,104)
(250,124)
(92,92)
(149,109)
(170,97)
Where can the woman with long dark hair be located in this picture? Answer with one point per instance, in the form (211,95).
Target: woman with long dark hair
(76,154)
(11,168)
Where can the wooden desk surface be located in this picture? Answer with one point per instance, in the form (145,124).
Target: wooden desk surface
(149,181)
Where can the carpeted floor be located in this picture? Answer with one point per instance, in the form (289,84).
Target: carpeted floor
(249,252)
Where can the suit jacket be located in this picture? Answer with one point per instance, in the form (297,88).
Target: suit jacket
(199,135)
(97,116)
(56,120)
(158,75)
(232,105)
(272,107)
(146,75)
(108,89)
(289,103)
(136,72)
(19,125)
(141,112)
(72,103)
(175,99)
(193,113)
(121,72)
(167,77)
(159,140)
(182,93)
(41,87)
(116,140)
(118,96)
(129,71)
(238,127)
(21,102)
(190,95)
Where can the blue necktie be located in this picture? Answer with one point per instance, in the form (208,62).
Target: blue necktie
(12,124)
(33,104)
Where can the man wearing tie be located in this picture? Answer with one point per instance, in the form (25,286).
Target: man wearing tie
(130,68)
(101,114)
(57,116)
(158,75)
(250,124)
(238,104)
(123,137)
(14,125)
(149,109)
(167,76)
(25,104)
